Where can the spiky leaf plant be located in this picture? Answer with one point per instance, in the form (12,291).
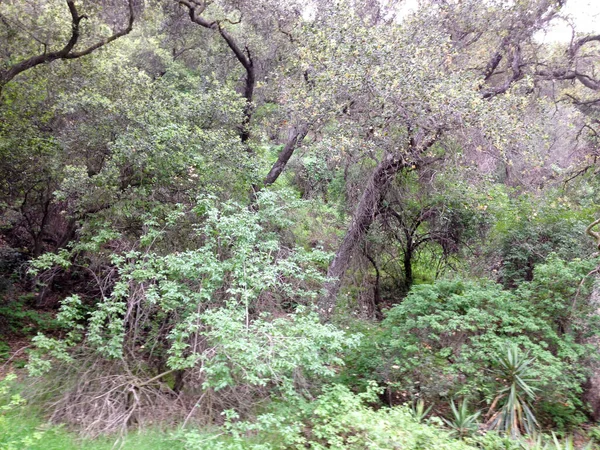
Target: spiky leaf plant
(515,416)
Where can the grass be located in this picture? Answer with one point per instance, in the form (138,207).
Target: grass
(25,431)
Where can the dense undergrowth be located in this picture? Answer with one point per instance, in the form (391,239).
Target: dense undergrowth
(463,362)
(261,225)
(338,419)
(518,358)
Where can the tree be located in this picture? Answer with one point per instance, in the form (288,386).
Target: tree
(246,59)
(69,50)
(402,93)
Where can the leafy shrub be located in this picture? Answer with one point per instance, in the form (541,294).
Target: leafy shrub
(337,419)
(444,339)
(230,315)
(4,350)
(18,318)
(530,229)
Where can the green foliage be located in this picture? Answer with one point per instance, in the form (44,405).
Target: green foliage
(200,309)
(493,441)
(8,403)
(445,339)
(462,422)
(423,231)
(135,179)
(418,410)
(337,419)
(4,350)
(594,434)
(567,443)
(515,415)
(528,229)
(19,318)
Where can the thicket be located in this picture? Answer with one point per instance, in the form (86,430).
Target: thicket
(266,225)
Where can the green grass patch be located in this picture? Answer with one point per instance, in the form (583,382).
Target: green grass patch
(25,430)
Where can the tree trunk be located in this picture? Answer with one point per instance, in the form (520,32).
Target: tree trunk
(377,300)
(408,273)
(363,218)
(295,138)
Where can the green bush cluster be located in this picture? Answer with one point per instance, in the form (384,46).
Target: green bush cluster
(337,419)
(445,339)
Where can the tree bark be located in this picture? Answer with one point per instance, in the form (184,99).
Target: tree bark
(364,215)
(294,141)
(408,272)
(377,300)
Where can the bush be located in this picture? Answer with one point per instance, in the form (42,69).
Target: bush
(444,340)
(337,419)
(18,318)
(530,229)
(227,321)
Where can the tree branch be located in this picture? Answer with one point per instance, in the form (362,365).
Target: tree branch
(594,234)
(67,51)
(492,64)
(581,42)
(516,75)
(125,31)
(294,141)
(243,56)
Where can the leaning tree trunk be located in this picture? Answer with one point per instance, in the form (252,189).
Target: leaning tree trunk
(296,136)
(364,215)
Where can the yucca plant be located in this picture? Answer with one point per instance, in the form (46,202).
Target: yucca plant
(567,444)
(418,410)
(540,443)
(463,422)
(515,415)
